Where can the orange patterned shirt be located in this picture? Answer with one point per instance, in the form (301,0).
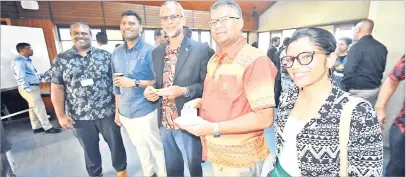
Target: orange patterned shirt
(239,82)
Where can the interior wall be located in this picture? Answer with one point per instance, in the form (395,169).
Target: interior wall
(389,18)
(294,14)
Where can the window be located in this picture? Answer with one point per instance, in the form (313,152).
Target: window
(149,36)
(195,35)
(245,35)
(287,33)
(114,36)
(66,42)
(344,31)
(205,37)
(263,41)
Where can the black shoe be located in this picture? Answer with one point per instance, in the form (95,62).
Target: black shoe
(38,130)
(53,130)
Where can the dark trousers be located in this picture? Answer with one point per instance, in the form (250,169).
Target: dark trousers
(175,143)
(396,165)
(87,132)
(5,167)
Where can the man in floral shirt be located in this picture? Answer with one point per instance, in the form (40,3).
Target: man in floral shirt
(82,94)
(396,166)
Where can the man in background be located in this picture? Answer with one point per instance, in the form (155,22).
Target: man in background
(29,88)
(82,95)
(159,37)
(396,165)
(102,41)
(275,42)
(365,64)
(133,112)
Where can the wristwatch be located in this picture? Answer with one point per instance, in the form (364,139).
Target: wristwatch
(137,83)
(187,93)
(217,132)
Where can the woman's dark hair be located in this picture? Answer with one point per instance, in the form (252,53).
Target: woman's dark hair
(347,40)
(320,37)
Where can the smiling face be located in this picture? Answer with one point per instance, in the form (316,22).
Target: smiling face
(81,37)
(172,20)
(316,59)
(227,27)
(130,27)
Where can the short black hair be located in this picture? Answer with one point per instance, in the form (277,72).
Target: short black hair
(102,37)
(347,40)
(320,37)
(157,33)
(254,44)
(274,39)
(21,46)
(286,41)
(132,13)
(187,32)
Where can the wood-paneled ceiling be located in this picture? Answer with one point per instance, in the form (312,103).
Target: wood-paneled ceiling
(246,6)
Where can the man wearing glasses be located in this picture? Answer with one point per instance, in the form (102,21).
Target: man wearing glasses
(28,86)
(238,98)
(180,67)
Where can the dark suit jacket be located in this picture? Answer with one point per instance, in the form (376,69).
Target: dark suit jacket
(271,52)
(191,69)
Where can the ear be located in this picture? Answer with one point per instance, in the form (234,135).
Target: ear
(331,60)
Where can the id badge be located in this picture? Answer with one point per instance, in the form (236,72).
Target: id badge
(86,82)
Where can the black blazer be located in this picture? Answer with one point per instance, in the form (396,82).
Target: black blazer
(191,69)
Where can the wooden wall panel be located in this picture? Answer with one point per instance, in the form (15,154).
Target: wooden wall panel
(65,12)
(9,10)
(42,13)
(113,10)
(152,19)
(201,19)
(189,18)
(48,27)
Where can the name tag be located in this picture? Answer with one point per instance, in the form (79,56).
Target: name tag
(86,82)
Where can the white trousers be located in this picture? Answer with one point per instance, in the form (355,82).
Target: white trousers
(38,114)
(145,135)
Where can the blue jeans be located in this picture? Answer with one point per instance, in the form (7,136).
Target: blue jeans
(396,165)
(176,143)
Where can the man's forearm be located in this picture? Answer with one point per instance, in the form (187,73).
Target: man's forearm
(250,122)
(389,87)
(117,103)
(146,83)
(58,99)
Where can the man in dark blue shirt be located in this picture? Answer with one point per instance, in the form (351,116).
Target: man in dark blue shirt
(365,64)
(133,70)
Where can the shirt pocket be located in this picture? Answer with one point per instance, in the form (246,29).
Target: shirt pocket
(227,87)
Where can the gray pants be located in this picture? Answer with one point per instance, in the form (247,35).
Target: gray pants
(369,95)
(5,167)
(87,132)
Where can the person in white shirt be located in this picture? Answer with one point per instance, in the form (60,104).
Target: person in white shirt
(102,40)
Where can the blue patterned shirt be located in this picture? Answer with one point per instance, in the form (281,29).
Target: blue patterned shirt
(85,102)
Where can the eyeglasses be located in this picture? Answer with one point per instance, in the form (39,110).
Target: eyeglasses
(303,58)
(222,21)
(171,17)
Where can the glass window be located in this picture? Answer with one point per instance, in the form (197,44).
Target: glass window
(213,45)
(149,36)
(245,35)
(64,33)
(287,33)
(263,41)
(114,35)
(276,34)
(344,31)
(66,45)
(195,35)
(94,32)
(205,37)
(66,42)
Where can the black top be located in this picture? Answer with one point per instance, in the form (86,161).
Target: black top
(271,53)
(365,64)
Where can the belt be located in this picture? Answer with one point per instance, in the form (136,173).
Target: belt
(34,84)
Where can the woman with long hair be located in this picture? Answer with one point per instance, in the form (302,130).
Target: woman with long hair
(312,117)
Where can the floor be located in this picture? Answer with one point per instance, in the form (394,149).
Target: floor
(60,155)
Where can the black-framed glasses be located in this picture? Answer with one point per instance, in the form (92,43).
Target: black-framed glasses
(171,17)
(222,20)
(304,58)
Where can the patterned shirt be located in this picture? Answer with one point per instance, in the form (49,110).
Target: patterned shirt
(90,102)
(169,111)
(239,82)
(398,74)
(317,143)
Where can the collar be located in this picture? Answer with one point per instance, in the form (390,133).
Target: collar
(233,50)
(366,37)
(138,44)
(22,56)
(76,52)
